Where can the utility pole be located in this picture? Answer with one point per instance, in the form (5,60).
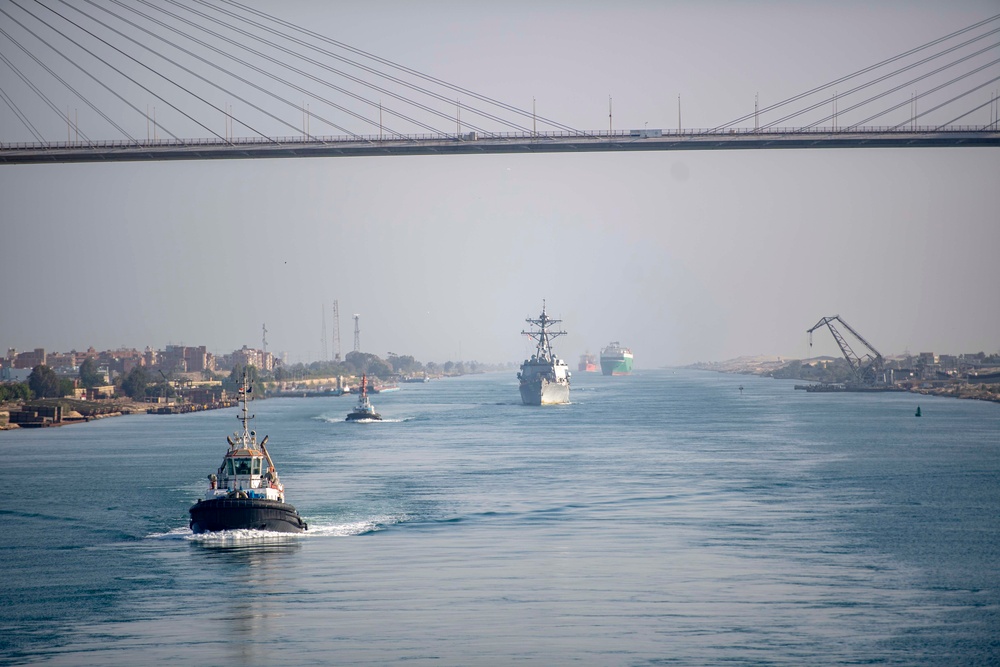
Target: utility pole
(336,330)
(357,333)
(322,336)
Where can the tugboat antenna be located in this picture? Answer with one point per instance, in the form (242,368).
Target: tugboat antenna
(244,418)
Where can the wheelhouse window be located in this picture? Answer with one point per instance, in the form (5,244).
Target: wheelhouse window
(229,466)
(256,465)
(242,466)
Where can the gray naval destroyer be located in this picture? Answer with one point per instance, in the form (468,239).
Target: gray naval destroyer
(544,378)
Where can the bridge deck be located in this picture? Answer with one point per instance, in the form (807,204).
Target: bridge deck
(470,144)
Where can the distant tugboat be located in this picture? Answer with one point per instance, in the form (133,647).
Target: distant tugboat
(364,411)
(544,378)
(245,493)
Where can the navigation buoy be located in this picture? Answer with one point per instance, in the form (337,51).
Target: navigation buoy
(918,412)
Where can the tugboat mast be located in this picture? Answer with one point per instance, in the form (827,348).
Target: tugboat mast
(543,350)
(247,438)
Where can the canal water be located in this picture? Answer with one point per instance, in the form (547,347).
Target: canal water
(661,518)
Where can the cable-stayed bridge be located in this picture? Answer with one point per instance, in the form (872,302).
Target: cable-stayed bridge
(154,78)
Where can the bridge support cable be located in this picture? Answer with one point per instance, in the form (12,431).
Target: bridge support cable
(920,96)
(989,103)
(404,99)
(263,72)
(116,69)
(853,75)
(205,61)
(953,99)
(35,89)
(59,79)
(884,78)
(371,103)
(407,70)
(17,112)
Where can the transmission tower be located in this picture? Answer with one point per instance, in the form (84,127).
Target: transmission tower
(357,333)
(336,330)
(263,338)
(322,336)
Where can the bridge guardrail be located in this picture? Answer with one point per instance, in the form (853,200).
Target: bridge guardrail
(480,137)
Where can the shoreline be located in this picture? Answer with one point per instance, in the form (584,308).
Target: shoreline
(765,368)
(118,408)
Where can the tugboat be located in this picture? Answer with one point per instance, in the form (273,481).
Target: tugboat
(245,492)
(544,378)
(364,411)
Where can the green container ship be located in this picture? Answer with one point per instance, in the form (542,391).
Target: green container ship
(616,360)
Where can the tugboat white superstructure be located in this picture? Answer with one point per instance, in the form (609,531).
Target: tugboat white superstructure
(544,378)
(245,492)
(364,411)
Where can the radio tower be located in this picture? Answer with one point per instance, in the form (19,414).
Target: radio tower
(263,337)
(357,334)
(336,330)
(322,336)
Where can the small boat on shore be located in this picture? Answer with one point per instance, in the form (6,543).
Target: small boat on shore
(364,411)
(245,492)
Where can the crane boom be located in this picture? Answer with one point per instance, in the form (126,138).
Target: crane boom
(867,369)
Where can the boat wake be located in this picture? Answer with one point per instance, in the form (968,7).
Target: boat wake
(361,527)
(224,537)
(318,529)
(341,420)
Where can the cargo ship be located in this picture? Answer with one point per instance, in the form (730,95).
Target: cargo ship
(616,360)
(544,378)
(588,363)
(245,492)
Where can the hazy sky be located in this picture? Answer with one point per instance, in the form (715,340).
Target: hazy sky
(683,256)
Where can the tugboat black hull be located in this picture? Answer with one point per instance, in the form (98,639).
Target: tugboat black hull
(364,417)
(217,514)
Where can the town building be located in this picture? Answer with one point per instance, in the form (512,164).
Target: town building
(30,359)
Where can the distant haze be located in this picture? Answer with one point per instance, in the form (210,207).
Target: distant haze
(683,256)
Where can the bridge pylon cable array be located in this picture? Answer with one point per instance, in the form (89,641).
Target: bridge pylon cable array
(866,70)
(196,57)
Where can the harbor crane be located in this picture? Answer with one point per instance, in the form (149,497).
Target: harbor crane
(868,369)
